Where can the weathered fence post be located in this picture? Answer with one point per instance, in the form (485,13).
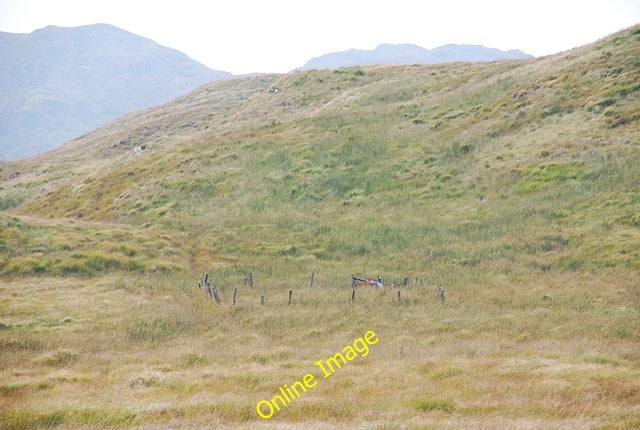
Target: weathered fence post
(441,294)
(216,296)
(206,285)
(312,275)
(406,280)
(251,279)
(355,279)
(290,292)
(262,299)
(235,292)
(353,295)
(398,296)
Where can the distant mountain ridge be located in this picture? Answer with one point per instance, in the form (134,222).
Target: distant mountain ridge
(57,83)
(411,54)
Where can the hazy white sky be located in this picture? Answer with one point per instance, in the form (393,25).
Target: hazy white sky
(243,36)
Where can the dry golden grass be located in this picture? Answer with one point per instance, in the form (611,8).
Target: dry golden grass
(148,351)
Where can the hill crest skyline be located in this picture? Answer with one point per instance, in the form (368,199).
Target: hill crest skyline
(409,53)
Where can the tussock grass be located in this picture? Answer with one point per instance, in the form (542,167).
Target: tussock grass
(545,344)
(435,405)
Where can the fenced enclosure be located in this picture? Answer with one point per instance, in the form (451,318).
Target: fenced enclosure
(406,293)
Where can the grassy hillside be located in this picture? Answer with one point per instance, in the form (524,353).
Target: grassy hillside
(512,185)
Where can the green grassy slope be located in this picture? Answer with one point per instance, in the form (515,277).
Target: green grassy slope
(406,160)
(513,185)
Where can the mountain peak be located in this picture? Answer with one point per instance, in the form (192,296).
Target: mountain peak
(96,26)
(406,53)
(61,82)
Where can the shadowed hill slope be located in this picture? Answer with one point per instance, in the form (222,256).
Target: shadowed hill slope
(61,82)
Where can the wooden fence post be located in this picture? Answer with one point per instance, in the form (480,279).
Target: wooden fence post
(290,292)
(235,292)
(312,275)
(206,285)
(216,296)
(398,296)
(262,299)
(353,295)
(251,279)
